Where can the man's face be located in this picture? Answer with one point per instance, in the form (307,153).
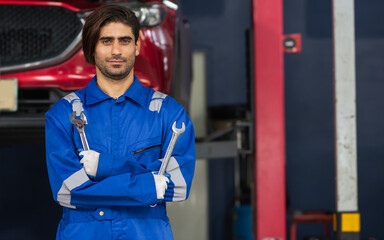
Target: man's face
(115,51)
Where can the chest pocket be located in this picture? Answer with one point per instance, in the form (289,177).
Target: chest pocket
(148,153)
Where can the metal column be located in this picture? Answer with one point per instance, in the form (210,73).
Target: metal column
(347,218)
(269,168)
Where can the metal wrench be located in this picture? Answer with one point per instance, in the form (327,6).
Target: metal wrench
(80,124)
(168,153)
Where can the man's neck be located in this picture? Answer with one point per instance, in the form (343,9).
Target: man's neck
(114,88)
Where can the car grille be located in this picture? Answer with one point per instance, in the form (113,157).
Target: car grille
(38,101)
(32,33)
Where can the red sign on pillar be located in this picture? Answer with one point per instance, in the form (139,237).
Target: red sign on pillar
(292,43)
(269,168)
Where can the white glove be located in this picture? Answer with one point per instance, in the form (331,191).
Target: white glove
(90,161)
(161,183)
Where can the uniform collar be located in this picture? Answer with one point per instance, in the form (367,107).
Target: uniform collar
(93,94)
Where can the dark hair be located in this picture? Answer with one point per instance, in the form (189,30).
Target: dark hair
(101,17)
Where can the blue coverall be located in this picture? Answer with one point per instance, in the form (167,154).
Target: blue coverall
(131,134)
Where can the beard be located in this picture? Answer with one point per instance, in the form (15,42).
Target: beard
(118,71)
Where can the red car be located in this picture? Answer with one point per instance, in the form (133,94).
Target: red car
(41,59)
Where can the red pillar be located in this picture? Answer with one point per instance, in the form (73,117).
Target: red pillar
(269,168)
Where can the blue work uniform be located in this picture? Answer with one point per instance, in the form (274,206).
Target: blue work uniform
(131,134)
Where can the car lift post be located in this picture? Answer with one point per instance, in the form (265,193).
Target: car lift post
(347,217)
(269,204)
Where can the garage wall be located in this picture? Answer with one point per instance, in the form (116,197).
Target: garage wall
(219,28)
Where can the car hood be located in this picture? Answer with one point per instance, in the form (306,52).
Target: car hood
(76,5)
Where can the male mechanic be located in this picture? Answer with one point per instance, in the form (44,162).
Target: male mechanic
(112,191)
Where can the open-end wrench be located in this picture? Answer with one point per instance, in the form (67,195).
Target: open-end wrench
(168,153)
(80,124)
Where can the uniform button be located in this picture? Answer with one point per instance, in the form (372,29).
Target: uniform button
(101,213)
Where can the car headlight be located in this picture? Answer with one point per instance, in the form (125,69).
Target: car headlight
(149,15)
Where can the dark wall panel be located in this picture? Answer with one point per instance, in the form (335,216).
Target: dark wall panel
(26,201)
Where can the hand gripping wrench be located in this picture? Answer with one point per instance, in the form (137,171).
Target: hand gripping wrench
(80,124)
(168,153)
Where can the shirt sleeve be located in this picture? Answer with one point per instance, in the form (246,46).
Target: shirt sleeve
(181,166)
(71,187)
(112,164)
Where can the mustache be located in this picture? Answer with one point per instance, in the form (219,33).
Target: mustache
(116,59)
